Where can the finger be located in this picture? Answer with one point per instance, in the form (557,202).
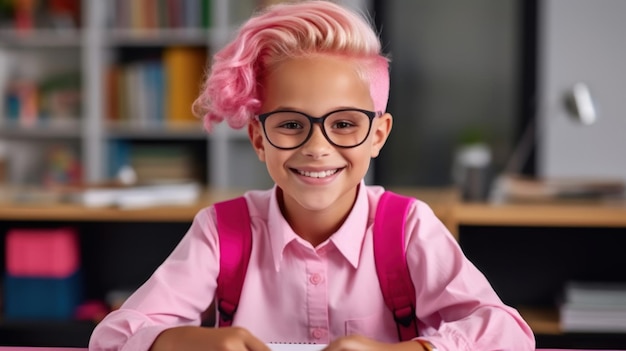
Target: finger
(354,343)
(336,345)
(254,344)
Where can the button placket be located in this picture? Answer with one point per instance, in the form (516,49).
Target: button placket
(315,278)
(317,300)
(317,333)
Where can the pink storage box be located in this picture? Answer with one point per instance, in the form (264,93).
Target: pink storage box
(49,253)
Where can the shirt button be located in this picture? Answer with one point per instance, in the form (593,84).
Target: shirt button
(317,333)
(315,278)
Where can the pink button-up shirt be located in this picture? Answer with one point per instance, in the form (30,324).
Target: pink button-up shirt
(294,292)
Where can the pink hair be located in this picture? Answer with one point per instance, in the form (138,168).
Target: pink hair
(231,90)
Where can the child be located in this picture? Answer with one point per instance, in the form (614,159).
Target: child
(311,85)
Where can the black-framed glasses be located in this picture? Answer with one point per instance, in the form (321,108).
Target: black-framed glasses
(345,128)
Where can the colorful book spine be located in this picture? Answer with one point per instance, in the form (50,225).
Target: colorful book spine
(184,71)
(159,14)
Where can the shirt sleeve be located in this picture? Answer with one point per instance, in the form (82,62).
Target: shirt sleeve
(456,305)
(176,294)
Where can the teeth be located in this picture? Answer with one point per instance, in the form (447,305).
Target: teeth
(322,174)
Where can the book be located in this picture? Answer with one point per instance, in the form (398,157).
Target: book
(164,162)
(527,189)
(60,98)
(112,87)
(140,196)
(596,293)
(184,71)
(593,307)
(592,318)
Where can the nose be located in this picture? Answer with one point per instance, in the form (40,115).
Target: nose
(317,146)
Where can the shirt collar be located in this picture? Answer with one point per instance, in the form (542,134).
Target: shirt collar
(348,239)
(279,231)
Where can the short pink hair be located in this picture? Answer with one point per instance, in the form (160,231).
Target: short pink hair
(232,88)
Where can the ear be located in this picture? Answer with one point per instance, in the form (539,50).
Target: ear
(380,131)
(255,134)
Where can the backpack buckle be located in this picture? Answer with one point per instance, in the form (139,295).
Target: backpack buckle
(404,315)
(227,310)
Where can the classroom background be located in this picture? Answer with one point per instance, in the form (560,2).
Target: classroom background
(508,120)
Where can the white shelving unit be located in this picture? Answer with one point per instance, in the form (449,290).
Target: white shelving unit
(230,161)
(100,42)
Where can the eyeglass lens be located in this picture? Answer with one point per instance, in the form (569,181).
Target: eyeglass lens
(289,129)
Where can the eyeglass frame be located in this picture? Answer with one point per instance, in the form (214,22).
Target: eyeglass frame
(370,114)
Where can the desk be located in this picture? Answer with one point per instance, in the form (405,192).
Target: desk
(65,211)
(143,224)
(529,250)
(8,348)
(440,200)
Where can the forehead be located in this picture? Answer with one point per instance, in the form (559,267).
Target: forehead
(315,84)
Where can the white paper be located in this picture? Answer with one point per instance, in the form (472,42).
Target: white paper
(296,347)
(136,197)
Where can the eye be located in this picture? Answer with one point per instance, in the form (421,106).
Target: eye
(347,121)
(287,122)
(290,125)
(342,124)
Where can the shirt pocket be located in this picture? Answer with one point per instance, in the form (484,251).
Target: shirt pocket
(376,327)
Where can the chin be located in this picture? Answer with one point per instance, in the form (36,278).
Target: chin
(314,200)
(315,203)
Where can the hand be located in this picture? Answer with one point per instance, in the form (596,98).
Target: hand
(361,343)
(207,339)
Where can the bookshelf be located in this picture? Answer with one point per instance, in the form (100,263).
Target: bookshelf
(92,41)
(147,43)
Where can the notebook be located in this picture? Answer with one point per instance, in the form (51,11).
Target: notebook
(295,347)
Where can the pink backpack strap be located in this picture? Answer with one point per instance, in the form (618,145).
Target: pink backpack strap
(391,266)
(235,241)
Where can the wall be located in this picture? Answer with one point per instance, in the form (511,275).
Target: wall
(582,42)
(454,68)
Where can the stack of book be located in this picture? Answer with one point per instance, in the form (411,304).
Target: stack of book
(516,188)
(43,279)
(140,196)
(594,307)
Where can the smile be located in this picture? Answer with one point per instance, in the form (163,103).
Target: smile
(322,174)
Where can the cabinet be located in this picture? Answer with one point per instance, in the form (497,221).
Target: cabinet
(119,250)
(529,251)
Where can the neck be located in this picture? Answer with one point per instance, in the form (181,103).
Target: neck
(317,226)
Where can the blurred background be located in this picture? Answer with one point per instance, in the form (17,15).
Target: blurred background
(93,88)
(457,73)
(96,94)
